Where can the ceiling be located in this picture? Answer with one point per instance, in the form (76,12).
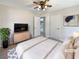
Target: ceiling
(28,4)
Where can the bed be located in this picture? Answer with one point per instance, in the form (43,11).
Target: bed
(38,48)
(44,48)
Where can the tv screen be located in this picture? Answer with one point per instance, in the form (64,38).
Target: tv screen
(20,27)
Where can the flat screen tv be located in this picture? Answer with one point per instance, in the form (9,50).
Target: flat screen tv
(20,27)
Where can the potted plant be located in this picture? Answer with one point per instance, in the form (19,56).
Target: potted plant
(4,35)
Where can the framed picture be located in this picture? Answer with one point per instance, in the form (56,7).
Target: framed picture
(71,20)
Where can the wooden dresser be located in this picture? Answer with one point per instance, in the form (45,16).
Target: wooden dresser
(21,36)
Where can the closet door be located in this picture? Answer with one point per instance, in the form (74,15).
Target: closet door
(36,26)
(57,27)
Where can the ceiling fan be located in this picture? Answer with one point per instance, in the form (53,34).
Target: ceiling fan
(42,5)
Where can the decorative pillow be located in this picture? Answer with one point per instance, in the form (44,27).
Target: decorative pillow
(69,48)
(76,43)
(70,43)
(69,53)
(76,54)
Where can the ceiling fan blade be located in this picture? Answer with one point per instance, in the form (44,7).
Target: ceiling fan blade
(35,7)
(49,5)
(47,0)
(35,2)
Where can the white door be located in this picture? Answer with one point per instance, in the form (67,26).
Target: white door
(36,26)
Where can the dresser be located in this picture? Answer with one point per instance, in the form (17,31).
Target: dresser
(21,36)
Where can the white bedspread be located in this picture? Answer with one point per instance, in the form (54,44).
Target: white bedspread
(28,44)
(38,48)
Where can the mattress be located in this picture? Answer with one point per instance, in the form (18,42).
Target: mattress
(37,48)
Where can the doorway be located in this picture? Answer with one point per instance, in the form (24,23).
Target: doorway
(42,26)
(39,26)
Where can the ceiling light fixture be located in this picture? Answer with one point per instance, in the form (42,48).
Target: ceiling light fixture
(42,5)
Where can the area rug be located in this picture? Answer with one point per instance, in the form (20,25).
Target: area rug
(12,54)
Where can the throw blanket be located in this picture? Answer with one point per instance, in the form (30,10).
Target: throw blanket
(39,48)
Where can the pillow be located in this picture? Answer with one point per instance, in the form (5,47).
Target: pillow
(70,43)
(76,43)
(75,34)
(76,54)
(69,53)
(69,48)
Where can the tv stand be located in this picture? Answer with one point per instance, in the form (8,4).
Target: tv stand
(21,36)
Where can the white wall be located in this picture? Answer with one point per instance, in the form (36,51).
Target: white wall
(36,26)
(47,23)
(58,31)
(9,16)
(2,17)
